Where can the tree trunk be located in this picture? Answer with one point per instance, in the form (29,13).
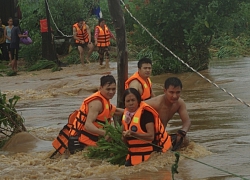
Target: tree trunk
(48,46)
(122,54)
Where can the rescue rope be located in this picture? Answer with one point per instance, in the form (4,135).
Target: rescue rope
(177,154)
(55,23)
(223,89)
(68,36)
(174,168)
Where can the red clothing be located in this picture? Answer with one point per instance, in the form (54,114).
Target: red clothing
(97,33)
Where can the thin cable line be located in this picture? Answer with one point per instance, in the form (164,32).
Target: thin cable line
(223,89)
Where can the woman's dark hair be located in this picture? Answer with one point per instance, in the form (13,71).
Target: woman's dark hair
(132,91)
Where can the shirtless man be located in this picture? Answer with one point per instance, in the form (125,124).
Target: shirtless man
(170,103)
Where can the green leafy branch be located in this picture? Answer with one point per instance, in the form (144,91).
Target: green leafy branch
(10,121)
(113,150)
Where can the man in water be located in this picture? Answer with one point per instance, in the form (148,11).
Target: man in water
(140,80)
(170,103)
(89,119)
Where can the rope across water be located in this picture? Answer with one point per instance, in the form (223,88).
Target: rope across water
(223,89)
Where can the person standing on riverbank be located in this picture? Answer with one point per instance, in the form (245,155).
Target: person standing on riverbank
(170,103)
(7,34)
(2,41)
(141,79)
(15,42)
(102,41)
(82,36)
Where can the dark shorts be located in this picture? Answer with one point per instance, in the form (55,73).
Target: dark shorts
(82,45)
(102,50)
(14,53)
(8,46)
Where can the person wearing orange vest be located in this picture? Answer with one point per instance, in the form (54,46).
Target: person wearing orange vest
(140,80)
(167,105)
(142,129)
(102,41)
(95,110)
(82,36)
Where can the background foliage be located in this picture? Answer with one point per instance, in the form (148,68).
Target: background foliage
(195,30)
(188,28)
(65,13)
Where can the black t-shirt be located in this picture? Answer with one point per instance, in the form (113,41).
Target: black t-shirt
(146,117)
(15,40)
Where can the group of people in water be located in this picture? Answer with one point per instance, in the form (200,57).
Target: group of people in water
(144,118)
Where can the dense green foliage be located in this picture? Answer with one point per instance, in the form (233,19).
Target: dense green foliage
(65,14)
(10,121)
(193,30)
(114,150)
(187,28)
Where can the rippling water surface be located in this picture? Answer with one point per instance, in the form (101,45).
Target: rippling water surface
(219,134)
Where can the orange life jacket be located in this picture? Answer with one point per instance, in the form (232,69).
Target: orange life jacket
(82,34)
(140,150)
(61,141)
(103,39)
(78,129)
(146,86)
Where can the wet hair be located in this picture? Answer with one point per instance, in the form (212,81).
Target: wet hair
(172,81)
(132,91)
(108,79)
(16,22)
(100,20)
(144,60)
(80,19)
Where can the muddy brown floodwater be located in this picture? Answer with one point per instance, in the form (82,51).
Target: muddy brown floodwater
(219,134)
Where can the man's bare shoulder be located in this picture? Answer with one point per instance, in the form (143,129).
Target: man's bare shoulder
(181,102)
(96,105)
(134,84)
(156,101)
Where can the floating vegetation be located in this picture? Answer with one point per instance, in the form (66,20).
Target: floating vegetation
(10,121)
(113,150)
(42,64)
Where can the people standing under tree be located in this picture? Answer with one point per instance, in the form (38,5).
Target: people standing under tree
(142,129)
(2,41)
(82,36)
(7,33)
(141,79)
(102,41)
(15,43)
(170,103)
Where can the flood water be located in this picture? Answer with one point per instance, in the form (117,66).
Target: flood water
(219,133)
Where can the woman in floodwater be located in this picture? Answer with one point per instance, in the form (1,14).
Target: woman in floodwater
(142,129)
